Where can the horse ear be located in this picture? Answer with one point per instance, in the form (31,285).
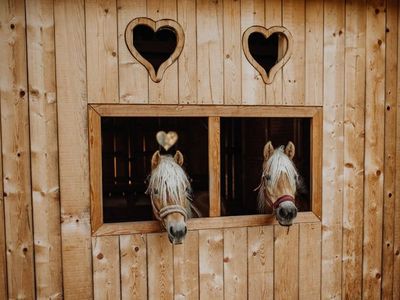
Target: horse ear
(155,160)
(290,150)
(268,150)
(178,157)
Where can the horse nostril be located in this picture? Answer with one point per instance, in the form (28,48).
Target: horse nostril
(171,230)
(185,229)
(290,215)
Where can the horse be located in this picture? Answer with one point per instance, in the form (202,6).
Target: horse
(279,183)
(170,193)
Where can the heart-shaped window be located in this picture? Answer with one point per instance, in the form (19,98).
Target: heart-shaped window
(156,45)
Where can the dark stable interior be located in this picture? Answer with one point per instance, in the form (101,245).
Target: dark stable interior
(156,47)
(128,144)
(265,51)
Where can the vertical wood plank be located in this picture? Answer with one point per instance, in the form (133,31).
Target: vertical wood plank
(187,61)
(133,77)
(310,261)
(316,163)
(314,51)
(214,165)
(101,47)
(73,148)
(390,147)
(159,266)
(210,62)
(165,91)
(286,264)
(374,148)
(253,87)
(353,193)
(211,251)
(106,267)
(44,148)
(15,151)
(332,185)
(232,53)
(260,262)
(186,267)
(3,259)
(294,71)
(235,263)
(133,266)
(273,17)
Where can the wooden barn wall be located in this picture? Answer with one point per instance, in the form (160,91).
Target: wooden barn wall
(58,56)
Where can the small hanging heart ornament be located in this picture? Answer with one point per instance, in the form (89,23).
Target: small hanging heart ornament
(166,140)
(267,50)
(146,38)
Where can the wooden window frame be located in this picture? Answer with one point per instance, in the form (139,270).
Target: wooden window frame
(213,113)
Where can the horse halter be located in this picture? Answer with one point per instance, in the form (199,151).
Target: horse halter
(167,210)
(280,200)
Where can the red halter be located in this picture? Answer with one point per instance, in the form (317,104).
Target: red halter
(281,199)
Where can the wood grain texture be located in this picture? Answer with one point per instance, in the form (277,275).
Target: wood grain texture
(286,262)
(211,269)
(235,263)
(332,185)
(214,165)
(165,91)
(106,267)
(316,163)
(232,52)
(133,266)
(159,266)
(310,261)
(389,187)
(133,77)
(187,62)
(73,149)
(101,46)
(210,61)
(253,87)
(260,258)
(353,193)
(186,267)
(374,148)
(314,51)
(44,148)
(15,151)
(294,72)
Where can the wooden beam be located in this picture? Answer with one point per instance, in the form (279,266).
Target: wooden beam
(214,166)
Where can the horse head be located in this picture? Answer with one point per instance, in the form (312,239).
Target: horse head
(279,183)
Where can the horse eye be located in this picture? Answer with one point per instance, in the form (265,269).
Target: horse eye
(267,177)
(156,192)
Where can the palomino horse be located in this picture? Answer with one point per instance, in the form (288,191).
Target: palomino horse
(279,183)
(170,193)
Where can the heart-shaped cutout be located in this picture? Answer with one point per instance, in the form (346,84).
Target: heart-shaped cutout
(166,140)
(156,45)
(267,50)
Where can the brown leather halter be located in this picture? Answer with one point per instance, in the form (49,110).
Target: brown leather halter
(167,210)
(280,200)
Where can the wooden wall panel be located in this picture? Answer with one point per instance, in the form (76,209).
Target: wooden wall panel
(235,263)
(332,186)
(15,151)
(232,53)
(374,148)
(260,258)
(102,48)
(133,256)
(73,148)
(106,267)
(133,77)
(186,267)
(310,261)
(165,91)
(253,87)
(210,62)
(353,194)
(159,266)
(187,68)
(390,147)
(286,262)
(211,270)
(44,148)
(294,71)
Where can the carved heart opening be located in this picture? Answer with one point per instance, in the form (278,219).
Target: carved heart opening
(166,140)
(156,45)
(267,50)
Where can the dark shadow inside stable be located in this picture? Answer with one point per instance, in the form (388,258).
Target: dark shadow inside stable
(128,144)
